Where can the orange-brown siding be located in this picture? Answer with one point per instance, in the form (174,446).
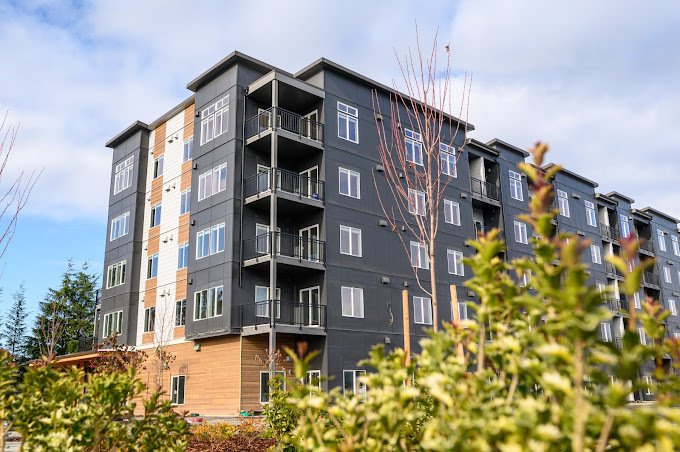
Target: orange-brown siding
(253,352)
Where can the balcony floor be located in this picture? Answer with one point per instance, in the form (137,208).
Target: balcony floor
(281,328)
(289,202)
(284,261)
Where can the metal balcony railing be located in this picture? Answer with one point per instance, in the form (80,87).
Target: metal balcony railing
(86,343)
(611,269)
(285,181)
(284,313)
(288,245)
(647,245)
(483,230)
(286,120)
(485,189)
(619,342)
(609,231)
(651,279)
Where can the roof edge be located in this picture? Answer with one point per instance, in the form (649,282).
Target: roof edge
(484,147)
(126,133)
(615,194)
(606,199)
(638,212)
(650,210)
(226,62)
(573,174)
(508,145)
(173,111)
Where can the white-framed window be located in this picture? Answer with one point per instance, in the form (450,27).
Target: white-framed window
(183,256)
(350,241)
(149,319)
(516,185)
(679,276)
(178,385)
(422,310)
(419,255)
(113,323)
(188,149)
(563,203)
(262,302)
(661,239)
(676,246)
(155,219)
(210,241)
(672,307)
(451,212)
(416,201)
(625,227)
(455,262)
(595,254)
(667,275)
(448,160)
(185,202)
(120,226)
(212,181)
(351,383)
(649,382)
(521,232)
(591,215)
(215,120)
(524,279)
(152,266)
(462,311)
(636,300)
(313,378)
(601,287)
(350,183)
(123,178)
(606,331)
(414,147)
(264,384)
(158,166)
(181,312)
(348,123)
(115,276)
(208,303)
(352,302)
(643,336)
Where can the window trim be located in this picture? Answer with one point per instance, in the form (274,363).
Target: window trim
(149,320)
(121,222)
(352,292)
(523,230)
(516,185)
(174,397)
(448,151)
(672,306)
(595,254)
(344,111)
(118,323)
(667,275)
(563,203)
(606,331)
(458,262)
(181,312)
(355,381)
(350,231)
(210,113)
(348,174)
(422,261)
(158,166)
(183,255)
(123,175)
(155,215)
(421,302)
(217,302)
(151,264)
(590,209)
(455,219)
(200,240)
(413,138)
(188,145)
(676,245)
(269,378)
(661,240)
(417,205)
(185,201)
(119,277)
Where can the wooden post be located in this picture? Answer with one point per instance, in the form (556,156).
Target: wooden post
(456,315)
(407,333)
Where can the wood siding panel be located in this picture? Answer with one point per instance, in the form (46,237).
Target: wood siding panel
(178,332)
(189,121)
(153,245)
(147,338)
(150,293)
(183,234)
(159,145)
(156,190)
(252,348)
(186,175)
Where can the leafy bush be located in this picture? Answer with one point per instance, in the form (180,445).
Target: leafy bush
(219,431)
(531,373)
(248,435)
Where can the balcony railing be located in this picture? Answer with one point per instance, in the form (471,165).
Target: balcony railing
(288,245)
(286,120)
(611,269)
(483,230)
(647,245)
(609,231)
(651,279)
(285,313)
(619,342)
(86,343)
(285,181)
(485,189)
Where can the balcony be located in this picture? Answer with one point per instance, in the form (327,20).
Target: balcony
(609,232)
(291,126)
(650,279)
(86,343)
(255,318)
(289,249)
(647,247)
(291,187)
(619,342)
(483,230)
(485,190)
(619,307)
(612,270)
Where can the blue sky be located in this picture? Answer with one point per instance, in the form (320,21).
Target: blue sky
(597,80)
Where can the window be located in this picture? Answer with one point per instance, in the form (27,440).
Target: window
(208,303)
(606,331)
(152,266)
(215,120)
(662,240)
(181,312)
(416,201)
(521,232)
(120,226)
(351,384)
(178,385)
(212,182)
(448,159)
(643,336)
(348,123)
(419,257)
(649,382)
(422,310)
(313,378)
(352,302)
(183,256)
(591,216)
(600,287)
(350,241)
(625,227)
(113,323)
(455,260)
(676,246)
(264,384)
(636,300)
(349,183)
(123,177)
(414,147)
(155,215)
(524,279)
(451,212)
(563,203)
(188,149)
(210,241)
(158,166)
(185,201)
(667,275)
(516,186)
(115,275)
(149,319)
(462,311)
(672,307)
(595,254)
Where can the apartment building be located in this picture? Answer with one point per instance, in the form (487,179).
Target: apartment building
(246,219)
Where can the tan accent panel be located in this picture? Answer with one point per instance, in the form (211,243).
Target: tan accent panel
(183,234)
(153,245)
(179,332)
(154,232)
(181,284)
(186,176)
(150,293)
(147,338)
(189,121)
(251,367)
(156,189)
(159,147)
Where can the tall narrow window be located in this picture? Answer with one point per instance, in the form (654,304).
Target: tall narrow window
(188,149)
(185,202)
(414,147)
(625,227)
(349,183)
(419,257)
(123,177)
(516,186)
(264,384)
(636,300)
(183,256)
(661,239)
(348,123)
(451,212)
(643,336)
(351,383)
(352,302)
(178,386)
(563,203)
(595,254)
(120,226)
(155,219)
(422,310)
(606,331)
(667,275)
(591,216)
(149,319)
(676,246)
(448,159)
(455,261)
(416,201)
(350,241)
(152,266)
(181,312)
(672,307)
(158,166)
(215,120)
(521,232)
(649,382)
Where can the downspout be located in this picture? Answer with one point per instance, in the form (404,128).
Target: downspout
(243,182)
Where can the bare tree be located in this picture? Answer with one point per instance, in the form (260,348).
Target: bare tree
(163,334)
(419,154)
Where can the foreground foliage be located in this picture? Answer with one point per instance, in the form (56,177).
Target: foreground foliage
(249,435)
(530,373)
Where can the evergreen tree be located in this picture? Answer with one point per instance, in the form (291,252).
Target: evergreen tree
(14,328)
